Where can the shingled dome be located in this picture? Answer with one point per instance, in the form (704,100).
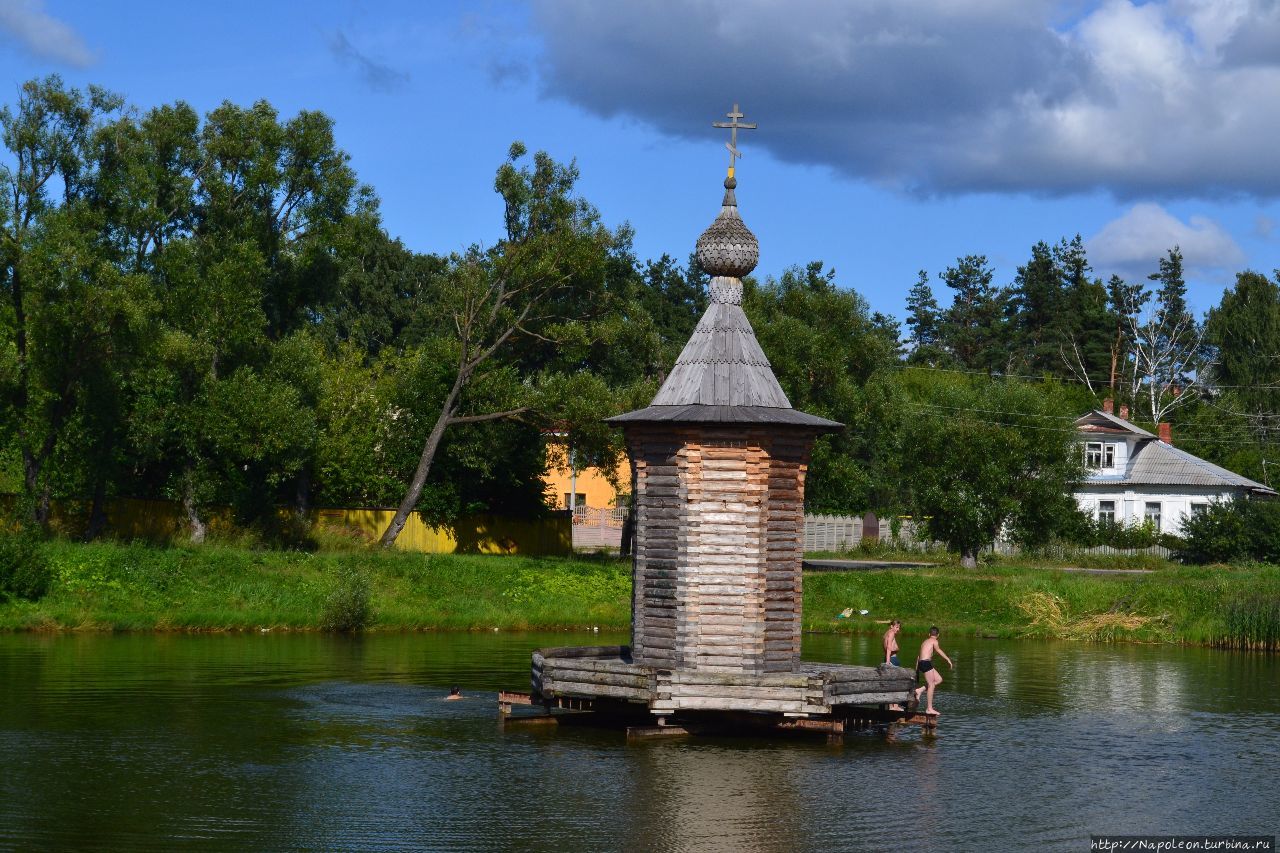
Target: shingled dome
(722,375)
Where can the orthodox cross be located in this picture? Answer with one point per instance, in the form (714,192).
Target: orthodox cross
(733,125)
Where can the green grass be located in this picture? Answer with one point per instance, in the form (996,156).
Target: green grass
(106,586)
(218,587)
(1174,604)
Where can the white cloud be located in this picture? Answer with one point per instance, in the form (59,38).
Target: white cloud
(43,34)
(1163,99)
(1132,245)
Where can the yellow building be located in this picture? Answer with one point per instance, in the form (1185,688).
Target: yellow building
(589,486)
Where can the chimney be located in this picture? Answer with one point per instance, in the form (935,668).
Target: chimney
(1166,433)
(1109,406)
(1124,412)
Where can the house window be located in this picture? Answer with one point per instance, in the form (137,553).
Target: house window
(1152,514)
(1098,454)
(581,500)
(1106,512)
(1199,509)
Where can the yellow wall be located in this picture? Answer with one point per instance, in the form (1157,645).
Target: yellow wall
(131,518)
(593,489)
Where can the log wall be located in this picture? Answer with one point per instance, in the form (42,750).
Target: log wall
(718,547)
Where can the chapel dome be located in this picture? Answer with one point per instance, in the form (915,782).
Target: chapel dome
(727,247)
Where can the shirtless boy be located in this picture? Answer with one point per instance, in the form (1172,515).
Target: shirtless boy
(925,667)
(891,643)
(891,650)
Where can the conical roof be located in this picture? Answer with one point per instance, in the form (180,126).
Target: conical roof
(722,374)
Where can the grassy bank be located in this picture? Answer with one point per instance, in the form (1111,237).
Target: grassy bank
(137,587)
(1202,605)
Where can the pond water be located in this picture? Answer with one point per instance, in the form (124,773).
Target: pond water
(312,742)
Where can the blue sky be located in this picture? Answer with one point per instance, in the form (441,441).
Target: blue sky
(894,136)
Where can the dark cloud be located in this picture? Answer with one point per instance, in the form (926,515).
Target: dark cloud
(376,75)
(944,96)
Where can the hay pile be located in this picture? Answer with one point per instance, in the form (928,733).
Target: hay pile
(1050,618)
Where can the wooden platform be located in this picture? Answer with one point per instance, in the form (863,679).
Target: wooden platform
(808,690)
(645,719)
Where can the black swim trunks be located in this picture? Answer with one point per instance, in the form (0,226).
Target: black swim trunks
(923,666)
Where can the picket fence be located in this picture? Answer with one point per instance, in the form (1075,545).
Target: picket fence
(844,533)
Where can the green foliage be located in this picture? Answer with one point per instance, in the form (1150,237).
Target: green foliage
(1253,622)
(346,608)
(24,569)
(1232,531)
(978,457)
(824,348)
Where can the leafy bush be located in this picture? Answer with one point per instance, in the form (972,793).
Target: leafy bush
(24,568)
(346,608)
(1231,532)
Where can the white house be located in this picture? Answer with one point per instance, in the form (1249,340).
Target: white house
(1135,476)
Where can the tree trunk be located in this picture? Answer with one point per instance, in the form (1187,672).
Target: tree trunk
(302,498)
(97,512)
(195,523)
(969,558)
(31,481)
(628,534)
(392,532)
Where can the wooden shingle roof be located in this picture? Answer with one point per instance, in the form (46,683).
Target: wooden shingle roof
(722,375)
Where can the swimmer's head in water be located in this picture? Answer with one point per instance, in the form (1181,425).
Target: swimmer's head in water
(455,691)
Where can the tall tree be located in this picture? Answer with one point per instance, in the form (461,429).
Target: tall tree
(515,290)
(924,319)
(1168,345)
(63,299)
(974,330)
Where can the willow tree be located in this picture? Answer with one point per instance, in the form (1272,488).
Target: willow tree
(492,303)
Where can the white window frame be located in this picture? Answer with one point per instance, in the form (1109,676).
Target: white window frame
(1099,455)
(1106,515)
(1157,518)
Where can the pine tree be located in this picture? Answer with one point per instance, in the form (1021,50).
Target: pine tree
(924,319)
(975,326)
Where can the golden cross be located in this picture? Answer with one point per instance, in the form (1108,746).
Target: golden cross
(733,125)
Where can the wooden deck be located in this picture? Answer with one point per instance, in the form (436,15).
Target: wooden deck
(635,719)
(603,685)
(810,689)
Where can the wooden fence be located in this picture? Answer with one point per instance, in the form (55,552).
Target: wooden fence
(844,533)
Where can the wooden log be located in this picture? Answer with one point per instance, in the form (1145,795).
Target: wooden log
(795,694)
(888,697)
(733,679)
(566,676)
(618,667)
(692,703)
(886,685)
(571,688)
(585,652)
